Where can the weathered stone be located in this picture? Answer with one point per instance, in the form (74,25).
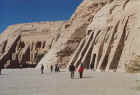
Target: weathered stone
(21,44)
(117,23)
(73,31)
(100,32)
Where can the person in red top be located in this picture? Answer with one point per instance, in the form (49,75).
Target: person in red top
(81,69)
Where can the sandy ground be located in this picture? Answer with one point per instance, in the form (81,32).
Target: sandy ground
(31,82)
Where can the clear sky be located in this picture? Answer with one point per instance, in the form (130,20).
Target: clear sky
(20,11)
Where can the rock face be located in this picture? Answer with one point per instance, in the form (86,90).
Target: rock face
(100,32)
(113,38)
(108,32)
(23,45)
(72,33)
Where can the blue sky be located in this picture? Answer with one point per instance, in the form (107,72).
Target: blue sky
(20,11)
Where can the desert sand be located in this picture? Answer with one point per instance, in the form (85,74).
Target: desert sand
(31,82)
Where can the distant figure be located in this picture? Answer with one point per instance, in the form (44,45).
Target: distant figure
(92,66)
(57,68)
(81,69)
(0,69)
(42,69)
(72,70)
(51,68)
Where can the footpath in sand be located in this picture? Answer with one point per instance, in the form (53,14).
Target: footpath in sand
(31,82)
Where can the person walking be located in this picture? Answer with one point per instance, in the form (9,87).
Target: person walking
(56,68)
(42,69)
(51,68)
(92,67)
(0,70)
(72,70)
(81,69)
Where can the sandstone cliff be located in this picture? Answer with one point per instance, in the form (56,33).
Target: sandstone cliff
(73,32)
(100,32)
(113,39)
(108,34)
(23,45)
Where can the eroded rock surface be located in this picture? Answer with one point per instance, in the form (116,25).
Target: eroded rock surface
(23,45)
(113,38)
(73,32)
(100,32)
(108,39)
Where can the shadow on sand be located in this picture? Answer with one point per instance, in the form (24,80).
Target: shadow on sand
(3,75)
(138,85)
(84,77)
(87,77)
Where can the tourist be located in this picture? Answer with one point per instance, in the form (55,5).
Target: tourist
(72,70)
(57,68)
(0,70)
(42,69)
(92,66)
(81,69)
(51,68)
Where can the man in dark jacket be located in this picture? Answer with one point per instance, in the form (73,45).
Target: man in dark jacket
(0,68)
(42,69)
(92,66)
(72,70)
(51,68)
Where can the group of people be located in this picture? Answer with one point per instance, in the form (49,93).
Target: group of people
(80,70)
(72,69)
(57,68)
